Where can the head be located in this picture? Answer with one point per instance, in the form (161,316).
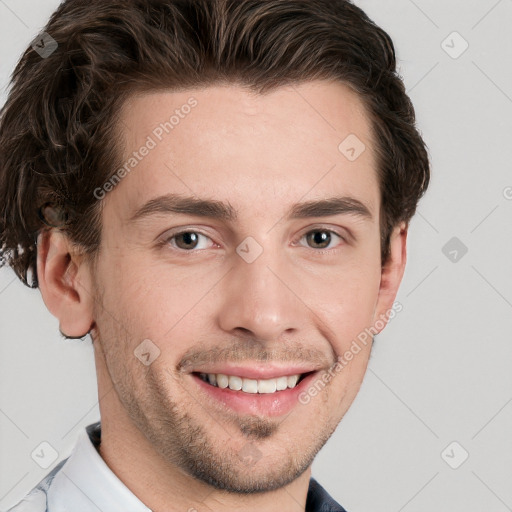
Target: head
(214,185)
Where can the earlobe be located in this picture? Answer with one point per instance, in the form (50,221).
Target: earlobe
(392,273)
(65,283)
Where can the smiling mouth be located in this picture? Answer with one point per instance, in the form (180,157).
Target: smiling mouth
(252,386)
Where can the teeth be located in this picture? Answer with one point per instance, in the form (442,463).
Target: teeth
(292,380)
(267,386)
(234,383)
(250,385)
(222,381)
(282,383)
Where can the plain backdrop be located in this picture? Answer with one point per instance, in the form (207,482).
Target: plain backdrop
(432,426)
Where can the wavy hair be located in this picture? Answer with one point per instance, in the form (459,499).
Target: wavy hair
(59,133)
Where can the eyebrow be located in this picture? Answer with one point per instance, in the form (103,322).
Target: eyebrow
(213,209)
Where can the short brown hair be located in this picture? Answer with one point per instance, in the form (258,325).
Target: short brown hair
(57,142)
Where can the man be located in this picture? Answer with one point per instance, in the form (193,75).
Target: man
(218,192)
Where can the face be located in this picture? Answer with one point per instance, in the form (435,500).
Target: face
(220,256)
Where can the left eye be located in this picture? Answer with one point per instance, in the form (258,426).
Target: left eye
(321,237)
(187,240)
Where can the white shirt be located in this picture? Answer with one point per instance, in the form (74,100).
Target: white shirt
(81,483)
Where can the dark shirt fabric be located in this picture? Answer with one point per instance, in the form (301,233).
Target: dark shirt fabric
(84,483)
(319,500)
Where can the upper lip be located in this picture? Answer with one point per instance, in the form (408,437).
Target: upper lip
(256,370)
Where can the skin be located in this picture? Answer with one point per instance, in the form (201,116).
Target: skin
(260,154)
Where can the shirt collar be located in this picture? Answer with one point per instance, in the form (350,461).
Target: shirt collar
(88,483)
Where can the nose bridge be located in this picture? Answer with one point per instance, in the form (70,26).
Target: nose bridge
(256,296)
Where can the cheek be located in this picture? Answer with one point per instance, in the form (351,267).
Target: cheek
(346,303)
(151,301)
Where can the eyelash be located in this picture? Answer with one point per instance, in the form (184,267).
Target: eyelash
(168,239)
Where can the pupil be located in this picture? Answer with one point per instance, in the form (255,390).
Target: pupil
(189,238)
(321,237)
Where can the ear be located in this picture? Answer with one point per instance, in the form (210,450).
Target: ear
(64,279)
(391,275)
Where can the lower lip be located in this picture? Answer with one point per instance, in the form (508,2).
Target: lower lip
(262,404)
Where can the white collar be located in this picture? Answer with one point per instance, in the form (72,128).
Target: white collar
(86,484)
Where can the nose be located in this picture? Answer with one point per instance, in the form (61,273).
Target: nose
(262,298)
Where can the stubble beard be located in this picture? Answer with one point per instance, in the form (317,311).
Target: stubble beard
(188,444)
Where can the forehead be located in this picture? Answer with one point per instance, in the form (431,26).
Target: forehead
(230,143)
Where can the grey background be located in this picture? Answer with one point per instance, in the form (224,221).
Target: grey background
(439,373)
